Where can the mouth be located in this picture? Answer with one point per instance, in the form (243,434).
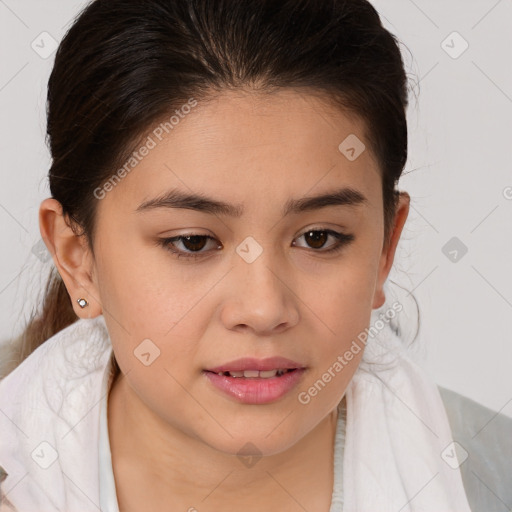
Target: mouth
(256,374)
(255,387)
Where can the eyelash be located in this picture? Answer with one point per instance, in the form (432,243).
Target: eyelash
(343,239)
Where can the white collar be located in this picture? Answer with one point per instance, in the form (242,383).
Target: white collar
(50,421)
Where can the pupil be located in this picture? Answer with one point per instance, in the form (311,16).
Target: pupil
(317,236)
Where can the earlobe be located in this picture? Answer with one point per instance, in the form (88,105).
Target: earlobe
(388,253)
(71,256)
(379,298)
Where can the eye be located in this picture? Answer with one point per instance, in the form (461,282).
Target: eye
(193,244)
(316,238)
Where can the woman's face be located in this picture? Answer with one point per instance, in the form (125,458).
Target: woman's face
(271,281)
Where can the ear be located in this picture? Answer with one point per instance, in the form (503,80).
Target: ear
(71,256)
(388,252)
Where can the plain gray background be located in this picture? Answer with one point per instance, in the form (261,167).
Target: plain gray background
(459,176)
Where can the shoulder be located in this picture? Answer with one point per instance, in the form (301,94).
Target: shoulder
(56,390)
(486,436)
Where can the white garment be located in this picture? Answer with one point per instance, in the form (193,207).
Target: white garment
(108,498)
(396,431)
(50,422)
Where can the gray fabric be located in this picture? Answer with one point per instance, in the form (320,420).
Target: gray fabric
(487,437)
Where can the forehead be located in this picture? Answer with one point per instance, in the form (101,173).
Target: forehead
(259,123)
(239,145)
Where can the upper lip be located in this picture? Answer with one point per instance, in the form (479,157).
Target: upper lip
(250,363)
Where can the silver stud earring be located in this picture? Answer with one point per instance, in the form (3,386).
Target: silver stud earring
(82,303)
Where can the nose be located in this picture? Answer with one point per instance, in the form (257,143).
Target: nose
(259,297)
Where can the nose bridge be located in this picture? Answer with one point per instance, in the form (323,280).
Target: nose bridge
(256,266)
(260,298)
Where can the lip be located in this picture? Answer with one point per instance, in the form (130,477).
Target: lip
(256,390)
(251,363)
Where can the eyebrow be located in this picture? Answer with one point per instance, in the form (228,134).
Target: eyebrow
(346,196)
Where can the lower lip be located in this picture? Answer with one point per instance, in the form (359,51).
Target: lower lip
(256,390)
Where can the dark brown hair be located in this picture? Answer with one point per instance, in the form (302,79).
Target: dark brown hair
(124,65)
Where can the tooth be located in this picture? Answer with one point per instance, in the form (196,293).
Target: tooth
(251,373)
(267,374)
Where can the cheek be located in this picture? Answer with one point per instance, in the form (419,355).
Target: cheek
(143,289)
(343,308)
(344,295)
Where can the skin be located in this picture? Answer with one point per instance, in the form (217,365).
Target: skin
(174,437)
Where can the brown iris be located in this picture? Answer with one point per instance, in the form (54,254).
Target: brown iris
(319,238)
(194,242)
